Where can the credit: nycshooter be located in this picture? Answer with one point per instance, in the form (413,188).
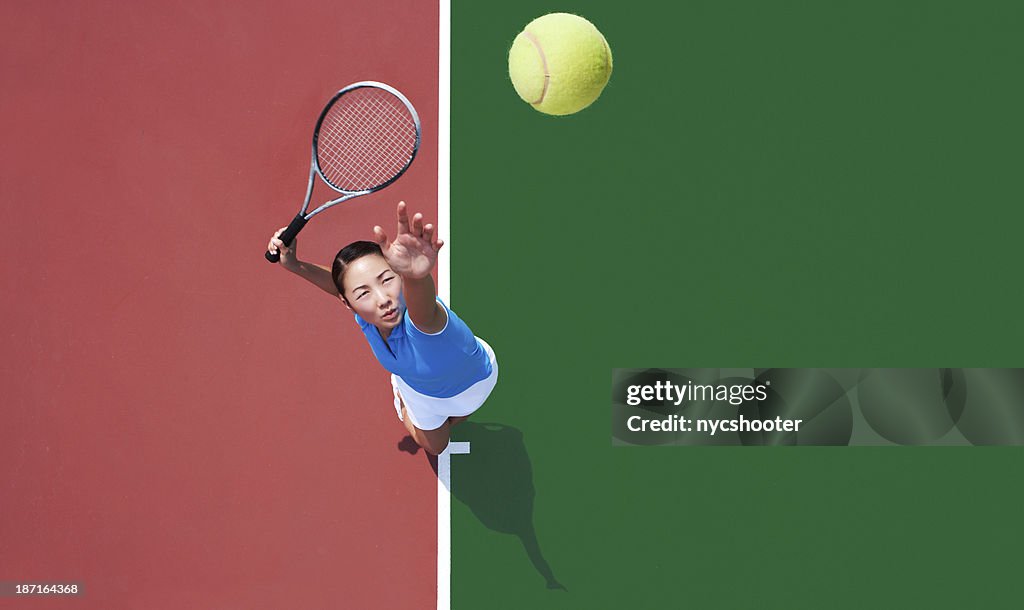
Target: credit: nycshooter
(678,423)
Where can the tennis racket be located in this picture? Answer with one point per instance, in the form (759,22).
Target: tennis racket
(366,137)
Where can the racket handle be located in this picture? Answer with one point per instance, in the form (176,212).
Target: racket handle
(287,237)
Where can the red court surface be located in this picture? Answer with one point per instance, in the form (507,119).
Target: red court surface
(184,425)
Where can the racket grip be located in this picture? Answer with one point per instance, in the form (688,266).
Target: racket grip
(287,237)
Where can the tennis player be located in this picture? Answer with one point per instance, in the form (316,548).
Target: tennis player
(440,371)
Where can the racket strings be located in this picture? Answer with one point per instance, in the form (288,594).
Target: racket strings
(366,139)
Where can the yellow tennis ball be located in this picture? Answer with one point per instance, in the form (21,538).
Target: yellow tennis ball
(559,63)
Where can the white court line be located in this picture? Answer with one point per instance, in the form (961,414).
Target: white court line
(444,153)
(444,464)
(444,529)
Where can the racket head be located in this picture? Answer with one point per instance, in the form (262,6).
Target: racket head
(366,137)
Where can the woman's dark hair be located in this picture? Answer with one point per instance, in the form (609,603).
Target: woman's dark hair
(351,252)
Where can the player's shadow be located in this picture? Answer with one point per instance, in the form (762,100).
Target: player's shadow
(496,482)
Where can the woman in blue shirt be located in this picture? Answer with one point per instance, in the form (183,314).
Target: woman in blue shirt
(440,372)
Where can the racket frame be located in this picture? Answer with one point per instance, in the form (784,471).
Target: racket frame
(300,220)
(315,163)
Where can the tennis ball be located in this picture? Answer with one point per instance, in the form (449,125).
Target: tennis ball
(559,63)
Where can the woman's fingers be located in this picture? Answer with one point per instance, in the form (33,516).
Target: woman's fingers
(274,242)
(380,237)
(415,227)
(403,219)
(431,234)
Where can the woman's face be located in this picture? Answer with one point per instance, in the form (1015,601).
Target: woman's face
(374,291)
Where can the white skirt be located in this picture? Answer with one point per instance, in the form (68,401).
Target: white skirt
(430,413)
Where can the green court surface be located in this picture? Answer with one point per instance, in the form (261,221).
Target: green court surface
(783,184)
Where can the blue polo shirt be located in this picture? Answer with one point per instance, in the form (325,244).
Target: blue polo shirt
(441,365)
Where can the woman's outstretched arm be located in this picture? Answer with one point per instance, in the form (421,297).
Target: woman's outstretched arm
(318,275)
(413,255)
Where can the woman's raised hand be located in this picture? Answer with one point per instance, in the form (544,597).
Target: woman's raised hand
(413,253)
